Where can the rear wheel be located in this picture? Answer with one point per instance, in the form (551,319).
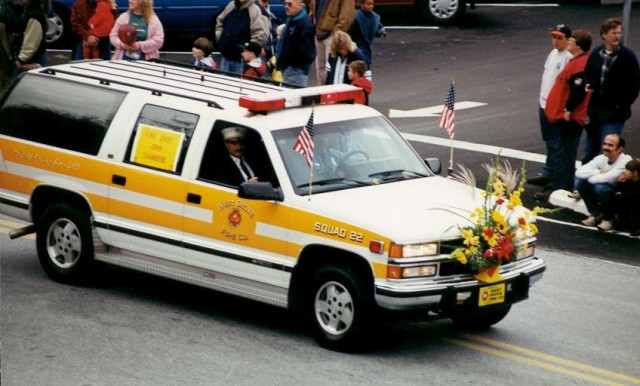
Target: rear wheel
(65,244)
(442,11)
(341,306)
(59,34)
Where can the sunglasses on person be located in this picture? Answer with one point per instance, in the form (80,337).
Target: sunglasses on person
(235,141)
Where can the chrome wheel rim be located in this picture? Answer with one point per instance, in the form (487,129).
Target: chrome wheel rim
(334,308)
(63,243)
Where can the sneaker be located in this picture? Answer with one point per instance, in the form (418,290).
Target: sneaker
(605,225)
(575,195)
(539,180)
(543,196)
(590,221)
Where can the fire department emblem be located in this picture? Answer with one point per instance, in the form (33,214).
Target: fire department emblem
(235,217)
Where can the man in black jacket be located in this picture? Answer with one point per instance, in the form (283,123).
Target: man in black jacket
(296,48)
(613,78)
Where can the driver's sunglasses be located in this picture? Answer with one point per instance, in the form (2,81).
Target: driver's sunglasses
(237,141)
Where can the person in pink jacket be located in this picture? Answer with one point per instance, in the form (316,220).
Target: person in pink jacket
(149,33)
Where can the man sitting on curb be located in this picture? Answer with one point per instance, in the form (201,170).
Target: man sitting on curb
(596,181)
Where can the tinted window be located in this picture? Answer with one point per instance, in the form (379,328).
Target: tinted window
(60,113)
(161,137)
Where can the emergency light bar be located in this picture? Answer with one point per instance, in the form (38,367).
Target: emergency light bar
(309,96)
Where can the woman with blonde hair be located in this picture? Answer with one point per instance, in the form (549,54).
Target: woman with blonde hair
(148,38)
(341,52)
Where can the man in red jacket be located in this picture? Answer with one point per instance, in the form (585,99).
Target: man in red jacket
(566,109)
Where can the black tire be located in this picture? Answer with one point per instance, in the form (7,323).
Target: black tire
(442,12)
(59,34)
(64,243)
(340,307)
(480,321)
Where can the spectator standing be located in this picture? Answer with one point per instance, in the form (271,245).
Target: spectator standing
(8,26)
(356,73)
(613,78)
(81,12)
(296,47)
(343,51)
(252,65)
(566,110)
(556,60)
(100,24)
(31,52)
(241,21)
(596,180)
(202,49)
(329,16)
(149,32)
(626,198)
(365,28)
(269,50)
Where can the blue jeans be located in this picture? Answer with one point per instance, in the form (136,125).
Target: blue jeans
(549,136)
(230,65)
(597,197)
(565,153)
(295,75)
(596,131)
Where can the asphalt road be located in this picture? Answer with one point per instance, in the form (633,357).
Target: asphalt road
(578,327)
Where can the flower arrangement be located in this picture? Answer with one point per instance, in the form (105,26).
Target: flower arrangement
(500,226)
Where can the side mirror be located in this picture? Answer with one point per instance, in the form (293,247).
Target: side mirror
(259,191)
(434,165)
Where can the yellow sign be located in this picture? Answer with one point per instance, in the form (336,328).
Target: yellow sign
(492,294)
(157,147)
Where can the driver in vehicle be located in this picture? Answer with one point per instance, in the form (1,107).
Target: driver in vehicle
(234,169)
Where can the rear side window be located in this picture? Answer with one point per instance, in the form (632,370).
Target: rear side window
(161,137)
(59,113)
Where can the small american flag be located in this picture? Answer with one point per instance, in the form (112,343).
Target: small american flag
(448,113)
(304,144)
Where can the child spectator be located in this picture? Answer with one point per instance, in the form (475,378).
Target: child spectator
(202,48)
(252,65)
(626,198)
(356,73)
(342,52)
(100,25)
(364,29)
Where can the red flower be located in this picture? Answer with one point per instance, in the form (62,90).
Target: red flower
(504,248)
(522,221)
(500,201)
(488,253)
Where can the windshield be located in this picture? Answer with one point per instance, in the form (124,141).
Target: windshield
(349,154)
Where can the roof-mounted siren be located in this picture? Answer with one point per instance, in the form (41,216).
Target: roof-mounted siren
(309,96)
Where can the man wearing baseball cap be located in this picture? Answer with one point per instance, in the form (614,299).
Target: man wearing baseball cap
(556,60)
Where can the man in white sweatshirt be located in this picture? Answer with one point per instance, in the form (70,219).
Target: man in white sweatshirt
(597,179)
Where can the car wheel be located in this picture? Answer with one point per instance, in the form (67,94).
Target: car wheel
(341,306)
(480,321)
(58,28)
(64,243)
(442,11)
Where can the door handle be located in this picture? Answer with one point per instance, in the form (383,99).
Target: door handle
(119,180)
(194,198)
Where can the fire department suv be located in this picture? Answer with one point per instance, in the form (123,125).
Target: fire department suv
(117,162)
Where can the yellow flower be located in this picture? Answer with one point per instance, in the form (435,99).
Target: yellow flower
(514,199)
(460,256)
(498,188)
(469,238)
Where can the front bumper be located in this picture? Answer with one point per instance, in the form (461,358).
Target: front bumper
(447,294)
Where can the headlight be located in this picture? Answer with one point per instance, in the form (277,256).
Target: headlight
(396,272)
(414,250)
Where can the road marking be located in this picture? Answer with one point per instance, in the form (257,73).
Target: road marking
(537,359)
(432,111)
(489,149)
(517,5)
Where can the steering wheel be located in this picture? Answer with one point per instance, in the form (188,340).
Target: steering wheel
(343,161)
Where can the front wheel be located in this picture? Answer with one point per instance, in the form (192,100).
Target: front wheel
(341,306)
(480,321)
(65,244)
(442,11)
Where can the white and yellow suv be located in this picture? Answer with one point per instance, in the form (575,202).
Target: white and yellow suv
(117,162)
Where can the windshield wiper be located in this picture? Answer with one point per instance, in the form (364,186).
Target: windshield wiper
(331,181)
(389,173)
